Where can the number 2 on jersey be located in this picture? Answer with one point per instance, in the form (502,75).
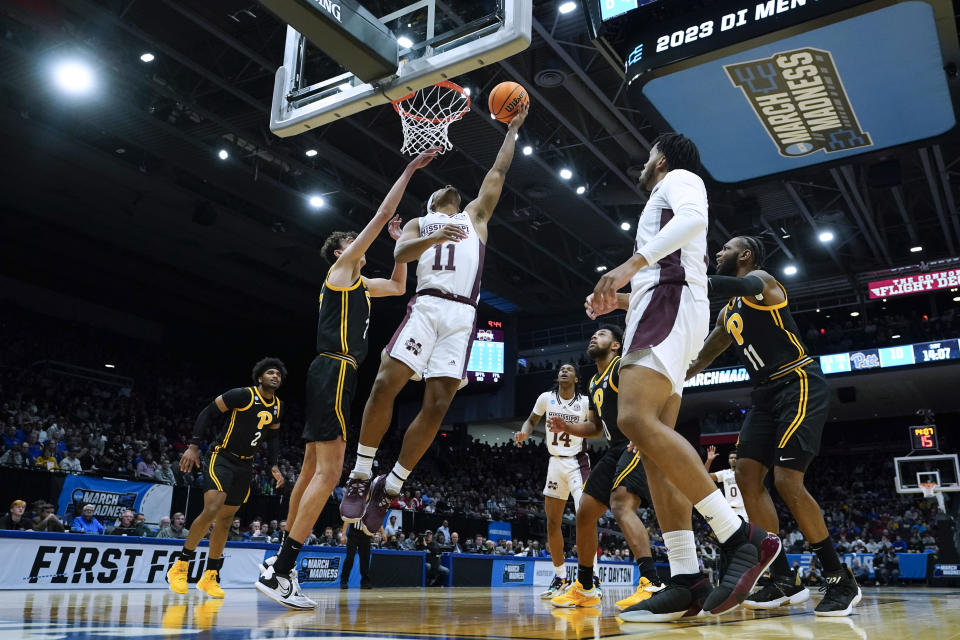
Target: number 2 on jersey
(437,266)
(562,437)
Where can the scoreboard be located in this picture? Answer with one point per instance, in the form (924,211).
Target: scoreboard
(923,438)
(486,361)
(766,87)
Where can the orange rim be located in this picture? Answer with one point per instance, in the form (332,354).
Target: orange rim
(446,84)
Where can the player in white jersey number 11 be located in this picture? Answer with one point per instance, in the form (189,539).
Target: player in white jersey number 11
(433,341)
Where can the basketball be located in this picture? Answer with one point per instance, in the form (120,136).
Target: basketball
(505,100)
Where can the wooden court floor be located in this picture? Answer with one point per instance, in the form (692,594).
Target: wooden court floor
(910,614)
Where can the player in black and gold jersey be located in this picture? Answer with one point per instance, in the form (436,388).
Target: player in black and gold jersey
(344,317)
(617,480)
(783,428)
(254,417)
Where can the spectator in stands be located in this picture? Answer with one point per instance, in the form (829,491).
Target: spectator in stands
(234,535)
(124,526)
(436,572)
(176,528)
(273,531)
(888,572)
(14,520)
(416,502)
(254,534)
(12,437)
(443,533)
(475,545)
(141,527)
(164,473)
(454,546)
(34,448)
(899,545)
(391,528)
(407,543)
(18,456)
(47,519)
(69,463)
(48,459)
(86,523)
(860,571)
(146,468)
(328,539)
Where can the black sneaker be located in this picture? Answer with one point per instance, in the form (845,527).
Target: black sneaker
(746,555)
(841,594)
(779,591)
(682,597)
(557,586)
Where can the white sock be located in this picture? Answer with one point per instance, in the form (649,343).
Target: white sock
(561,571)
(363,469)
(719,515)
(396,478)
(681,552)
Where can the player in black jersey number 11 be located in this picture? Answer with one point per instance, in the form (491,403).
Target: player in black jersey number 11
(783,428)
(254,415)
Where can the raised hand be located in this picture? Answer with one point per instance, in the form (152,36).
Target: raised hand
(424,159)
(395,227)
(518,119)
(711,452)
(588,306)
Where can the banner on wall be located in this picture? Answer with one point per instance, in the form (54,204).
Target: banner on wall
(66,561)
(613,574)
(918,283)
(499,531)
(111,497)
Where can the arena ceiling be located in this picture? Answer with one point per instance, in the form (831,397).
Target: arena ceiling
(122,198)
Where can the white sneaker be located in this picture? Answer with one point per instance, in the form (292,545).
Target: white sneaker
(284,590)
(266,564)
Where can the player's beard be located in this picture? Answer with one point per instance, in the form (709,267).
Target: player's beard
(596,352)
(727,267)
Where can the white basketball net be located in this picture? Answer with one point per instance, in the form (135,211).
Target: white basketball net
(427,114)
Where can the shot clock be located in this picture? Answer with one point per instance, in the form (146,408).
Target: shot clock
(924,438)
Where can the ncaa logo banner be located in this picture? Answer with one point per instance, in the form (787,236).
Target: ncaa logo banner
(800,100)
(111,497)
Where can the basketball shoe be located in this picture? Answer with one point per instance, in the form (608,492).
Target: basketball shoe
(780,591)
(377,506)
(209,583)
(557,586)
(284,590)
(577,596)
(177,576)
(644,591)
(744,557)
(842,593)
(354,499)
(682,596)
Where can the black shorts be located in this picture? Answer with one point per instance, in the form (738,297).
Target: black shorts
(617,468)
(784,426)
(228,473)
(331,383)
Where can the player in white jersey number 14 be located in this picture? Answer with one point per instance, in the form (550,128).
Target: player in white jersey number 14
(433,341)
(569,464)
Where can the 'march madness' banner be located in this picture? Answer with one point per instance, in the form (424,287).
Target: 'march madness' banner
(111,497)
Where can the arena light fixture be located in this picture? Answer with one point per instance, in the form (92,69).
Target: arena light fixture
(854,314)
(147,57)
(789,270)
(956,298)
(405,42)
(601,268)
(527,150)
(567,7)
(916,249)
(581,190)
(223,154)
(316,201)
(825,236)
(310,153)
(566,174)
(625,226)
(110,366)
(74,77)
(895,336)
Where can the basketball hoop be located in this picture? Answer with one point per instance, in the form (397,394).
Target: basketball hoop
(427,114)
(928,488)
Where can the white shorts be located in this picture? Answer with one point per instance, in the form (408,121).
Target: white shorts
(566,475)
(666,327)
(435,337)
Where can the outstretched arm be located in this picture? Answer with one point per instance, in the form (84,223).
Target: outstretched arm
(527,428)
(396,285)
(347,264)
(711,456)
(715,344)
(482,208)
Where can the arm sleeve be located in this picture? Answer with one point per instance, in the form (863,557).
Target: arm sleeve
(204,423)
(540,407)
(273,446)
(729,287)
(238,398)
(687,197)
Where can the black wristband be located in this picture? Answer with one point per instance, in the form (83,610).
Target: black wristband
(730,287)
